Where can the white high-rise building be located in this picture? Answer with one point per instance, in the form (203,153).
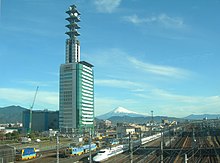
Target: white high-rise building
(76,103)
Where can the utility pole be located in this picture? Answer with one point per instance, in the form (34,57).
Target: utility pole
(131,148)
(185,161)
(170,137)
(152,116)
(90,140)
(194,143)
(57,148)
(161,146)
(140,137)
(152,122)
(161,149)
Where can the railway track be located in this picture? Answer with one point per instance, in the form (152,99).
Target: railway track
(121,158)
(196,144)
(194,154)
(185,141)
(181,146)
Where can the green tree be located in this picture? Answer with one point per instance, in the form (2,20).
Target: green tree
(15,135)
(8,136)
(32,135)
(2,135)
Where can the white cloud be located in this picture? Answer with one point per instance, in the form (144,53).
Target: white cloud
(162,101)
(137,20)
(107,6)
(187,99)
(183,111)
(171,104)
(38,83)
(162,20)
(134,19)
(170,22)
(23,97)
(159,69)
(102,61)
(121,84)
(184,105)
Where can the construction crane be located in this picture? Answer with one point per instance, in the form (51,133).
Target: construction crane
(30,120)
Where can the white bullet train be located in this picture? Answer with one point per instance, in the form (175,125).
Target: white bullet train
(150,138)
(104,154)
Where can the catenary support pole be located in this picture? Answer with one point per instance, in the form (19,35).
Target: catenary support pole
(130,148)
(90,152)
(161,148)
(185,158)
(57,148)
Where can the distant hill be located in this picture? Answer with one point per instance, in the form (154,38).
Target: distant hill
(140,120)
(11,114)
(202,116)
(121,114)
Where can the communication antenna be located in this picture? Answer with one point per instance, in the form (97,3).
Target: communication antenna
(152,116)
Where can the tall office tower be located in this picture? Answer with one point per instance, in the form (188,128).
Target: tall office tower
(76,83)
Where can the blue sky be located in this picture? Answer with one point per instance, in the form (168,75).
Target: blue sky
(148,55)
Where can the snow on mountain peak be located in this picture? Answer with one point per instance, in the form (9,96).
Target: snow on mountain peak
(123,110)
(120,111)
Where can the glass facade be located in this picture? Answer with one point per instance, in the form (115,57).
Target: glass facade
(48,120)
(76,97)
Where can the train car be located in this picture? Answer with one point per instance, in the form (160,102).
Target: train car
(86,147)
(136,143)
(114,142)
(74,151)
(77,151)
(150,138)
(104,154)
(26,154)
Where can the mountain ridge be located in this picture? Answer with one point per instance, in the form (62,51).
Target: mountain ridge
(202,116)
(11,114)
(141,120)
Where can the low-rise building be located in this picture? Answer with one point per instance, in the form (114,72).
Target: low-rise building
(108,123)
(165,122)
(142,128)
(123,130)
(41,120)
(6,130)
(103,124)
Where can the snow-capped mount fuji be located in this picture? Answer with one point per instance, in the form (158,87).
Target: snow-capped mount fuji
(120,112)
